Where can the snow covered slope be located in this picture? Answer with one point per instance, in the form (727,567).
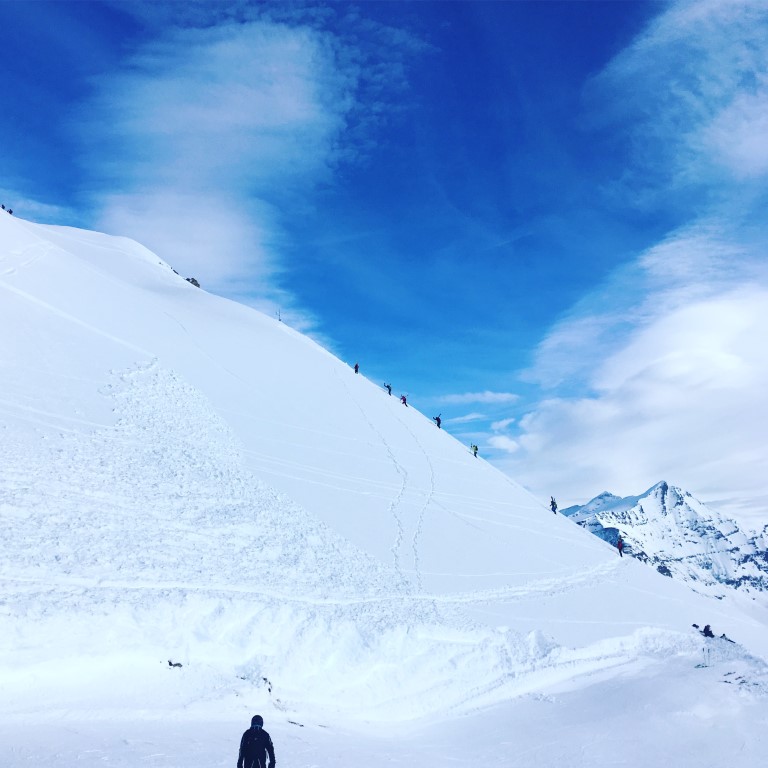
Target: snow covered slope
(184,479)
(681,537)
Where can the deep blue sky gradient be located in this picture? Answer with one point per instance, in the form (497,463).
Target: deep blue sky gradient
(482,214)
(49,53)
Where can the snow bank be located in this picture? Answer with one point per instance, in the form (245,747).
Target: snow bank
(187,480)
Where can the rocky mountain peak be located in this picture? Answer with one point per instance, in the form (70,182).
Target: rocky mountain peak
(681,537)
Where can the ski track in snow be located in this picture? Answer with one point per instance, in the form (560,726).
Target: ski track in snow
(172,390)
(74,320)
(424,506)
(539,588)
(19,254)
(203,352)
(204,511)
(113,458)
(394,504)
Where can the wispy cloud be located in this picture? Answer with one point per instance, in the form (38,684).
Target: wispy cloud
(206,135)
(736,137)
(212,140)
(697,261)
(466,419)
(660,373)
(479,397)
(504,443)
(685,395)
(694,105)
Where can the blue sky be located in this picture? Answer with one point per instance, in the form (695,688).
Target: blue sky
(543,220)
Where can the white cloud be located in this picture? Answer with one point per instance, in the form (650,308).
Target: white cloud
(661,371)
(682,400)
(500,426)
(693,91)
(466,419)
(504,443)
(737,136)
(479,397)
(172,221)
(662,374)
(698,261)
(205,135)
(242,105)
(225,243)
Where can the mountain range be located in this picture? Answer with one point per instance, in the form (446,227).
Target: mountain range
(680,537)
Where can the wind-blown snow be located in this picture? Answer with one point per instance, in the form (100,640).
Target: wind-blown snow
(187,480)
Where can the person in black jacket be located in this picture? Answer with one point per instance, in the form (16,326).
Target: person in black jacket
(255,746)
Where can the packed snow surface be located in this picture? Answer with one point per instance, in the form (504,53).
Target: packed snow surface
(186,481)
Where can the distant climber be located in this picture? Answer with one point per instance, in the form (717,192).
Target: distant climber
(474,449)
(620,546)
(357,368)
(553,505)
(707,632)
(255,746)
(403,400)
(437,420)
(388,387)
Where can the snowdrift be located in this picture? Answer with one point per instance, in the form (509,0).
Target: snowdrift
(186,480)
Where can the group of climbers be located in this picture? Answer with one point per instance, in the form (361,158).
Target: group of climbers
(473,447)
(404,400)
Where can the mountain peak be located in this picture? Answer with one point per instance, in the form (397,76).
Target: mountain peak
(679,535)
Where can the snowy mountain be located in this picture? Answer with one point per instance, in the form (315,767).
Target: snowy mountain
(681,537)
(188,482)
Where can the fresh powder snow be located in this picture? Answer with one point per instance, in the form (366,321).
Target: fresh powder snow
(205,515)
